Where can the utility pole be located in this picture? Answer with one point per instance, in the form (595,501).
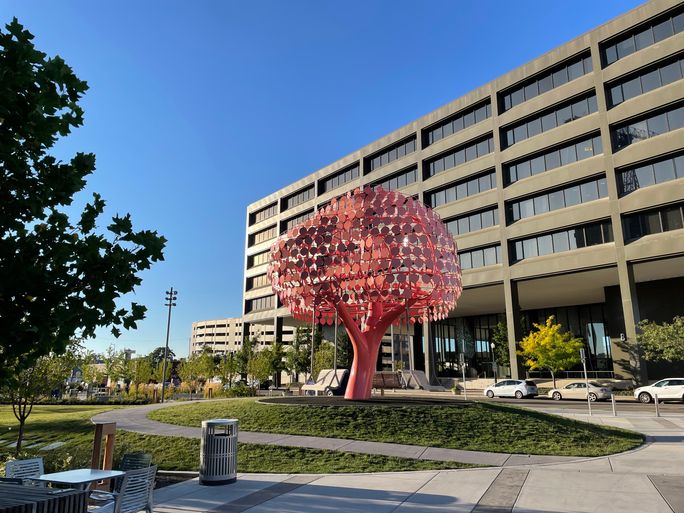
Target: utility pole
(171,296)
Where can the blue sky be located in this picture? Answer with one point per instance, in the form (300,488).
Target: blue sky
(198,108)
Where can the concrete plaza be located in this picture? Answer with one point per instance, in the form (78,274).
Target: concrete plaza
(647,480)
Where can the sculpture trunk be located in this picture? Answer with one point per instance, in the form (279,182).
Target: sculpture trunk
(366,345)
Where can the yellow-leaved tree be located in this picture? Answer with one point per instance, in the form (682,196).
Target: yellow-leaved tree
(549,348)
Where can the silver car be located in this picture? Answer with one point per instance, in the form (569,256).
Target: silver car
(670,388)
(517,388)
(578,390)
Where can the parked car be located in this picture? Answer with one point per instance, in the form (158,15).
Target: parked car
(517,388)
(578,390)
(670,388)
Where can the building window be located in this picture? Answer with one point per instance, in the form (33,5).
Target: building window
(480,257)
(256,282)
(645,80)
(650,173)
(298,198)
(390,154)
(260,303)
(554,200)
(642,36)
(650,125)
(263,214)
(548,119)
(459,190)
(663,219)
(294,221)
(398,180)
(263,235)
(545,81)
(257,259)
(559,241)
(473,222)
(553,158)
(459,155)
(338,179)
(456,123)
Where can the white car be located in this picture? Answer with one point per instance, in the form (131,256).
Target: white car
(670,388)
(578,390)
(517,388)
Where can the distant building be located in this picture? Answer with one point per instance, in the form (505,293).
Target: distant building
(223,336)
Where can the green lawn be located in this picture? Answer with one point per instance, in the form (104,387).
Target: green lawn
(478,426)
(71,424)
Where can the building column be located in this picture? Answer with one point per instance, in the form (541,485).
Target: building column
(513,326)
(627,360)
(429,353)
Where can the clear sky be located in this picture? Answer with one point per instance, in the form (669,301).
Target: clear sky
(198,108)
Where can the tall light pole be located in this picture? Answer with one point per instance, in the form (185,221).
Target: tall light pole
(171,296)
(493,346)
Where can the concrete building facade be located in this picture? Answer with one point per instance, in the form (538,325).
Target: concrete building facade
(563,184)
(222,336)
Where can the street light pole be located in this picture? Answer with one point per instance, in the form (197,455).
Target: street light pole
(171,296)
(493,345)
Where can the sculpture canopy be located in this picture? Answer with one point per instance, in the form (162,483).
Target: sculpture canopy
(371,255)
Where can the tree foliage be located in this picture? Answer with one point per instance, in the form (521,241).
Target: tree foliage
(298,356)
(157,355)
(260,366)
(662,341)
(59,276)
(323,357)
(500,339)
(245,354)
(551,349)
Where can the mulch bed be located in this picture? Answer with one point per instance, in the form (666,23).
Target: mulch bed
(374,401)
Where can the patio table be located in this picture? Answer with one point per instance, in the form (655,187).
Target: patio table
(32,499)
(80,478)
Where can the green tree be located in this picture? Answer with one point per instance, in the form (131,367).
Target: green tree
(662,341)
(278,361)
(47,374)
(549,348)
(59,275)
(345,351)
(227,369)
(298,356)
(500,340)
(142,370)
(260,367)
(114,364)
(323,357)
(157,356)
(158,373)
(245,354)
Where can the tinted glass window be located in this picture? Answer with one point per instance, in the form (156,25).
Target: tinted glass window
(650,81)
(676,118)
(560,242)
(572,196)
(530,248)
(662,30)
(672,219)
(643,39)
(664,171)
(589,191)
(556,200)
(657,125)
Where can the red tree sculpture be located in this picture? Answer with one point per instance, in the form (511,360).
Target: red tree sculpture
(372,256)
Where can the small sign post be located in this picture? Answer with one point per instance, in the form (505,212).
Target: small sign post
(583,356)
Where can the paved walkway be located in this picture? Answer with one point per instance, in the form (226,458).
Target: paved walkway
(135,419)
(648,480)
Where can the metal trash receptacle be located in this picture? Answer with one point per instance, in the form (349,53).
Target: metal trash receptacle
(218,452)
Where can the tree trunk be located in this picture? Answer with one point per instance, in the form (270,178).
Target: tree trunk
(553,377)
(20,436)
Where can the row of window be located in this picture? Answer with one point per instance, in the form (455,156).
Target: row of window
(456,123)
(464,153)
(258,281)
(294,221)
(554,200)
(387,155)
(648,126)
(643,36)
(565,240)
(263,235)
(653,221)
(473,222)
(549,79)
(398,180)
(651,173)
(460,190)
(480,257)
(646,80)
(298,198)
(263,214)
(549,119)
(260,303)
(257,259)
(339,178)
(551,159)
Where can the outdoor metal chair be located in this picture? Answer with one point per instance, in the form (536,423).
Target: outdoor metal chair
(25,470)
(135,460)
(134,495)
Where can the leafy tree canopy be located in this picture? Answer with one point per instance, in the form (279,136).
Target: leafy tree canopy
(549,348)
(662,341)
(59,276)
